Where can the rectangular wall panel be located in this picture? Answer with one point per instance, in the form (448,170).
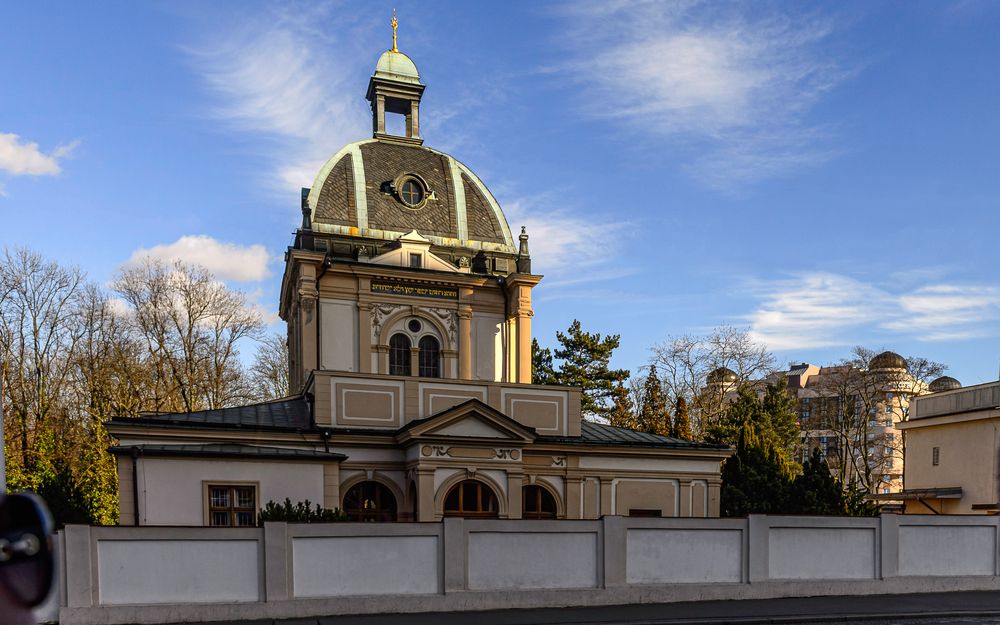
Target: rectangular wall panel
(177,571)
(671,556)
(532,560)
(365,565)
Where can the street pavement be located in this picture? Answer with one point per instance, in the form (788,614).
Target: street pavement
(956,608)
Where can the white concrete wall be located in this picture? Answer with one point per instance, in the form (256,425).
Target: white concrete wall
(178,571)
(178,485)
(296,571)
(527,560)
(675,556)
(365,565)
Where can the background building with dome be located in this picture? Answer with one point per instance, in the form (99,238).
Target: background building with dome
(852,414)
(408,304)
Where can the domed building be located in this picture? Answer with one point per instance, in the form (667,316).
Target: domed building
(944,383)
(408,305)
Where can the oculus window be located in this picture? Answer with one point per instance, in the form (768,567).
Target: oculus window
(411,191)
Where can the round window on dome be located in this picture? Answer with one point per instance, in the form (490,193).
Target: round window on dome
(411,192)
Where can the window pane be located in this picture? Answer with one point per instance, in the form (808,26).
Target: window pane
(430,357)
(244,519)
(220,519)
(245,498)
(220,497)
(399,355)
(470,498)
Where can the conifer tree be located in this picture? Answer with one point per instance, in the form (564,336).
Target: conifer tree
(754,479)
(654,417)
(541,364)
(623,413)
(815,491)
(682,422)
(585,363)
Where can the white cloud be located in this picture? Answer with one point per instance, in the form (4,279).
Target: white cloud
(732,86)
(19,158)
(278,76)
(226,261)
(562,242)
(820,309)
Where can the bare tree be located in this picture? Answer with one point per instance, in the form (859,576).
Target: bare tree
(191,327)
(269,372)
(685,363)
(39,334)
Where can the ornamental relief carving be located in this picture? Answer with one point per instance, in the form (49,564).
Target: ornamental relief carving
(507,454)
(450,320)
(559,461)
(379,312)
(436,451)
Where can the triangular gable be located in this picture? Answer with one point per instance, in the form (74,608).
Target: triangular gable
(413,243)
(470,419)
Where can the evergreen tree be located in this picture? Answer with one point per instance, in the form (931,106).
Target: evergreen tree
(623,413)
(773,415)
(585,359)
(815,491)
(754,479)
(541,364)
(654,416)
(682,422)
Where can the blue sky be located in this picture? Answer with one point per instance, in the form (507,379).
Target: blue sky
(824,174)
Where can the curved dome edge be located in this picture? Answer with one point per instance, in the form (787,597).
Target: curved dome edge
(353,149)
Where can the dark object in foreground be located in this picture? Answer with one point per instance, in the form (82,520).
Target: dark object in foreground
(26,563)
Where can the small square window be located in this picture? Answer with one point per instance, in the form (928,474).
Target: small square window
(232,505)
(416,261)
(936,456)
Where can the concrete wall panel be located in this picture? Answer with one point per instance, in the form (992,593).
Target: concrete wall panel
(822,553)
(365,565)
(670,556)
(532,560)
(947,550)
(135,572)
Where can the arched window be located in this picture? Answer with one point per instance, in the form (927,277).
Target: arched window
(399,355)
(473,500)
(430,357)
(370,502)
(538,503)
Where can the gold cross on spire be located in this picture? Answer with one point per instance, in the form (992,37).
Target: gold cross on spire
(394,23)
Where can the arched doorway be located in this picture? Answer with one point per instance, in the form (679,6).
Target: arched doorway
(471,499)
(370,502)
(537,503)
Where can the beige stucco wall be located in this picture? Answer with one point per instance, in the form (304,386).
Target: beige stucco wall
(968,458)
(171,490)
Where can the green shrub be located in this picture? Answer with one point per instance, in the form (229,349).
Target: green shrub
(301,512)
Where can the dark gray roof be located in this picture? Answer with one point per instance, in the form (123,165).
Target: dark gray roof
(226,450)
(291,413)
(598,434)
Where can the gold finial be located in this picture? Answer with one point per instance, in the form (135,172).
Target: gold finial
(394,23)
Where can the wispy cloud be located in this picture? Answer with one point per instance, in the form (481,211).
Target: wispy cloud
(25,158)
(563,243)
(282,79)
(730,84)
(226,261)
(818,309)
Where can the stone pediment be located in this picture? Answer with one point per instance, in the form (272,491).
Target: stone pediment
(470,419)
(413,245)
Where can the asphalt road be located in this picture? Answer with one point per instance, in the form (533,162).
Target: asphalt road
(957,608)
